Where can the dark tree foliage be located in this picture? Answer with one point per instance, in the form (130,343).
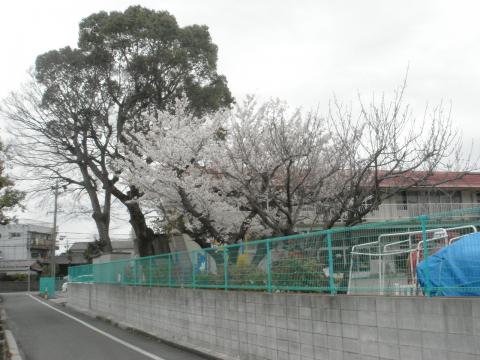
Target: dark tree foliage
(149,60)
(9,197)
(128,64)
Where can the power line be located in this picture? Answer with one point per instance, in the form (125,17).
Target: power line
(89,233)
(13,246)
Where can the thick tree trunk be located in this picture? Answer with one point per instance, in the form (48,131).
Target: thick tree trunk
(245,226)
(161,244)
(146,242)
(101,215)
(102,221)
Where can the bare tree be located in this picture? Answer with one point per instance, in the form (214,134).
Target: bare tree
(60,140)
(386,144)
(278,160)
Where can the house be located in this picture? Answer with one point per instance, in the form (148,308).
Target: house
(78,249)
(75,254)
(118,246)
(23,244)
(65,260)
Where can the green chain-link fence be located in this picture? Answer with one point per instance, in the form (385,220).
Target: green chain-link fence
(375,258)
(49,286)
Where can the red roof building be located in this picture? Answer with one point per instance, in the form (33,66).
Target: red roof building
(441,191)
(439,180)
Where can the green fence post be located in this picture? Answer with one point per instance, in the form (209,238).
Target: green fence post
(150,271)
(194,270)
(269,268)
(331,280)
(135,272)
(423,220)
(123,272)
(225,268)
(170,270)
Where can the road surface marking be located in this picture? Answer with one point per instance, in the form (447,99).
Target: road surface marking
(114,338)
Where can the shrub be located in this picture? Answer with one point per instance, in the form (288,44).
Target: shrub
(295,272)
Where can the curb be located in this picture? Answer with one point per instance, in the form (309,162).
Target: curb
(14,353)
(11,351)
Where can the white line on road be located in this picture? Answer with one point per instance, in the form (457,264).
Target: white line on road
(114,338)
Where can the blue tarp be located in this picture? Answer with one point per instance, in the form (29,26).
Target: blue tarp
(455,269)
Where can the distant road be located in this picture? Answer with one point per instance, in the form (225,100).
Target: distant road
(46,332)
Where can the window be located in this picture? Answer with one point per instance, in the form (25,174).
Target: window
(15,234)
(457,197)
(412,197)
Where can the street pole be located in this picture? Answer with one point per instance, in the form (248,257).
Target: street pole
(28,279)
(54,234)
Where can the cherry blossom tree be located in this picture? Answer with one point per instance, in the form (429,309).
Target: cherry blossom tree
(250,169)
(284,162)
(279,160)
(263,166)
(172,166)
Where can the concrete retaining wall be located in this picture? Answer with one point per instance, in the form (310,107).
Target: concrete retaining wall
(252,325)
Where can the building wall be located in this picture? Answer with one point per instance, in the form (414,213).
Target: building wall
(254,325)
(470,196)
(418,196)
(14,240)
(13,247)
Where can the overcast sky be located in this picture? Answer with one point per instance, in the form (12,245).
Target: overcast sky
(303,52)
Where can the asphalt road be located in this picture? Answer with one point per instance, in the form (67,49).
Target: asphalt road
(44,333)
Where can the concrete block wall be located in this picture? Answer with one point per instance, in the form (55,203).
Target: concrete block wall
(254,325)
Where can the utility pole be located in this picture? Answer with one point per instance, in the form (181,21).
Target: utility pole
(54,233)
